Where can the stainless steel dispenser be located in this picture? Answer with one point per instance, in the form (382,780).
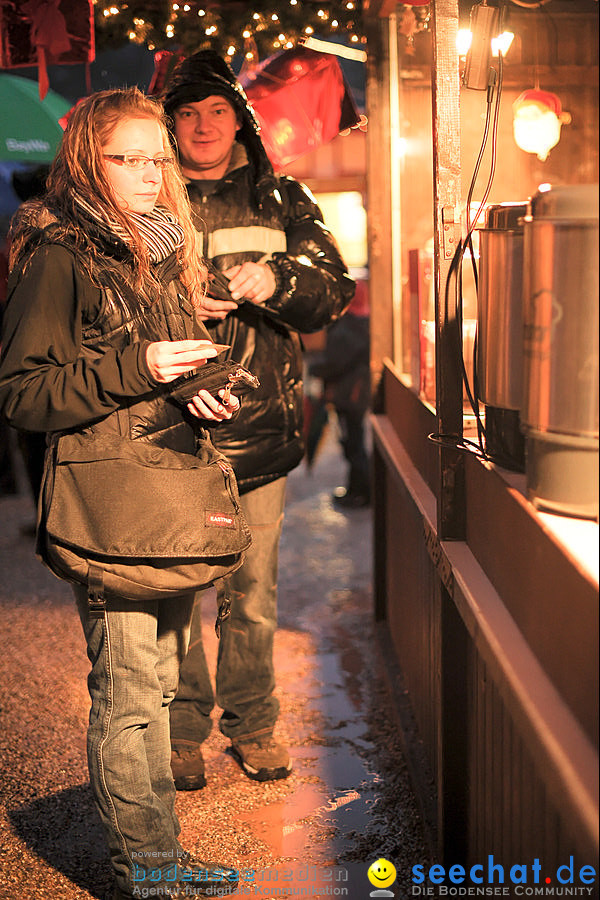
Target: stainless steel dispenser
(500,331)
(560,406)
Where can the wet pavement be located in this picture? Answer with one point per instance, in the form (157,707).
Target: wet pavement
(348,800)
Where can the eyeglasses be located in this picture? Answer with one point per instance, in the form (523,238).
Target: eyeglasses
(137,163)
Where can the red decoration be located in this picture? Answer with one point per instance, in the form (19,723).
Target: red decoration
(543,98)
(164,63)
(46,32)
(301,100)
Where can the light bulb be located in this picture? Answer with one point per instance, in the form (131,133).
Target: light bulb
(537,120)
(464,37)
(502,43)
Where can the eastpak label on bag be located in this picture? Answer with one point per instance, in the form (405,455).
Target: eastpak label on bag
(220,520)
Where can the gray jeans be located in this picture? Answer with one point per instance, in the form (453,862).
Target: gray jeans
(245,678)
(135,650)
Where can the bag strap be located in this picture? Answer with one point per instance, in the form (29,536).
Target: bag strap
(96,600)
(224,601)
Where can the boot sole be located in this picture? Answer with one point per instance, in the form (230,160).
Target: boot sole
(266,774)
(262,774)
(189,782)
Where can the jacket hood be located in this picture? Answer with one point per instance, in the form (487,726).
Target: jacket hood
(27,227)
(35,223)
(32,215)
(206,73)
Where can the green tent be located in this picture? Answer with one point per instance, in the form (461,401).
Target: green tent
(29,128)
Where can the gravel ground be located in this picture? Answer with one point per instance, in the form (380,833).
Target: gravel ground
(348,800)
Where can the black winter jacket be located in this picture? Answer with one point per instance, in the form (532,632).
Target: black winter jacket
(74,348)
(276,221)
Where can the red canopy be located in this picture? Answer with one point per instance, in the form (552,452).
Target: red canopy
(301,100)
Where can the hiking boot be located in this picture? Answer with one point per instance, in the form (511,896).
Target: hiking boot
(262,758)
(207,877)
(194,878)
(187,765)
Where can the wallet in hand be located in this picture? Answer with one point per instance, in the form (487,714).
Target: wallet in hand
(213,376)
(218,287)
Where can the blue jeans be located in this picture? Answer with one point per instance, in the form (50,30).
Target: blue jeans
(135,650)
(245,677)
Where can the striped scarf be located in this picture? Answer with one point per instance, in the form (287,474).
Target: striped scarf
(159,229)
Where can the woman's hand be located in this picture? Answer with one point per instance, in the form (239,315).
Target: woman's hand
(167,360)
(215,409)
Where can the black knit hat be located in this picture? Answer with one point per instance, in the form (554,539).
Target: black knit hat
(206,73)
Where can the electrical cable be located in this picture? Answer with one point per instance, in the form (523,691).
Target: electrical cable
(494,91)
(456,264)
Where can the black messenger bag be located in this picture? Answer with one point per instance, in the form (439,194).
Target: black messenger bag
(129,519)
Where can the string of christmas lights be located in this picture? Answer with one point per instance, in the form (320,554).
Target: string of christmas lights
(256,29)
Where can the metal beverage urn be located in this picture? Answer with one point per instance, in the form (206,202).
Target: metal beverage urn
(560,405)
(500,331)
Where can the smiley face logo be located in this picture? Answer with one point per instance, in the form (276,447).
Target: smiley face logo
(382,873)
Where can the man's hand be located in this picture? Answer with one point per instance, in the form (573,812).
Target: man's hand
(251,281)
(213,308)
(167,360)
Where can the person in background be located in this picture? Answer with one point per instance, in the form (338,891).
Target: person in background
(344,368)
(105,272)
(283,275)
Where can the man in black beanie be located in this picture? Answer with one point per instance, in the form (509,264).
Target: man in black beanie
(285,275)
